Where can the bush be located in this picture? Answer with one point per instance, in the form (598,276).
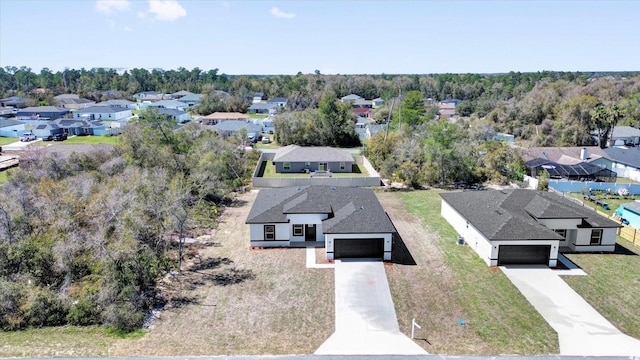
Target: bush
(44,308)
(11,295)
(123,317)
(83,312)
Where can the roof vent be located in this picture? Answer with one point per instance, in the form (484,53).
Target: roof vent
(361,207)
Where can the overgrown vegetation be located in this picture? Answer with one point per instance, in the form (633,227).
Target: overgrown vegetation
(83,239)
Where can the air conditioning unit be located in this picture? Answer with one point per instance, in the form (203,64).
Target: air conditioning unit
(460,240)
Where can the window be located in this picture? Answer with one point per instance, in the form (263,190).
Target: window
(286,166)
(269,232)
(298,230)
(596,236)
(341,166)
(562,232)
(307,164)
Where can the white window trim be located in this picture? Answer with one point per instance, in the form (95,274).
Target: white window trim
(298,230)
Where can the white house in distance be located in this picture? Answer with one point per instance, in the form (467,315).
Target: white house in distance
(348,222)
(520,226)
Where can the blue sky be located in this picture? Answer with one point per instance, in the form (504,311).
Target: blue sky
(343,37)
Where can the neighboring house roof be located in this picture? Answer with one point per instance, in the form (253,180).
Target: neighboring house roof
(295,153)
(181,93)
(100,110)
(351,97)
(361,111)
(625,131)
(455,102)
(362,102)
(351,210)
(39,109)
(511,214)
(9,122)
(72,100)
(226,116)
(13,99)
(191,98)
(78,123)
(582,169)
(167,103)
(171,112)
(66,96)
(564,155)
(630,157)
(116,102)
(278,100)
(236,125)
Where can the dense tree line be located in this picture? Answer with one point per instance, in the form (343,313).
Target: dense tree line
(84,239)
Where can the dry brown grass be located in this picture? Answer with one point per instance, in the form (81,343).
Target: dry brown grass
(239,301)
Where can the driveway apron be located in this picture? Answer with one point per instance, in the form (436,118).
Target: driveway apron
(581,329)
(366,322)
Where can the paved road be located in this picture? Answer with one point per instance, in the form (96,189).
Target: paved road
(581,329)
(366,322)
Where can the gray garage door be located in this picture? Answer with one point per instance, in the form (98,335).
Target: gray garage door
(523,254)
(358,248)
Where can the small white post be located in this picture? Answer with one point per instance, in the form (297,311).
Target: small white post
(414,325)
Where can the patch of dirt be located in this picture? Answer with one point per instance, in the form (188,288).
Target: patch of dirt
(423,287)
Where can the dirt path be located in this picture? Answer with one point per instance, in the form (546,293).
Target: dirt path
(425,291)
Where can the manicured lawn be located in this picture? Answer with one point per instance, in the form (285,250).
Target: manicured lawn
(493,307)
(92,140)
(269,170)
(257,116)
(612,286)
(7,140)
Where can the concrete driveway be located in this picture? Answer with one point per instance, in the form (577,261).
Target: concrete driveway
(366,322)
(581,329)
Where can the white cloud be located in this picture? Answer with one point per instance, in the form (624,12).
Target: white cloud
(281,14)
(111,6)
(166,10)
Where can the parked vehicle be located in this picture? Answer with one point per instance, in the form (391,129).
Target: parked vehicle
(47,138)
(28,137)
(59,137)
(266,140)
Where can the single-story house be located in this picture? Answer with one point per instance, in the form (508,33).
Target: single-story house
(148,95)
(521,226)
(362,112)
(450,102)
(349,222)
(103,113)
(279,101)
(175,114)
(41,113)
(84,127)
(263,108)
(217,117)
(297,159)
(74,103)
(14,101)
(257,97)
(230,127)
(119,103)
(630,213)
(11,128)
(192,99)
(621,135)
(377,102)
(178,94)
(625,161)
(362,103)
(267,126)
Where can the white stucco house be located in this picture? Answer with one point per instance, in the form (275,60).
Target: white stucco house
(348,222)
(521,226)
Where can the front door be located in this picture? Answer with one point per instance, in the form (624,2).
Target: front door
(310,232)
(322,166)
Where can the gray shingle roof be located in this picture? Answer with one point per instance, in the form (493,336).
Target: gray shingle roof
(625,156)
(511,214)
(351,210)
(9,122)
(295,153)
(100,110)
(236,125)
(633,206)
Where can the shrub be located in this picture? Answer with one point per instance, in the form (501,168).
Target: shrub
(44,308)
(83,312)
(123,316)
(11,295)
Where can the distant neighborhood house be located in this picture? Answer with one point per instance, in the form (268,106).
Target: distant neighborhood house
(296,159)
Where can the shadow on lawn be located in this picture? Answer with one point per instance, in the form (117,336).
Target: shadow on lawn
(623,250)
(400,254)
(222,277)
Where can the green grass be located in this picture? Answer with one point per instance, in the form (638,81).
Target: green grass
(92,140)
(268,170)
(257,116)
(4,175)
(500,314)
(62,341)
(612,286)
(8,140)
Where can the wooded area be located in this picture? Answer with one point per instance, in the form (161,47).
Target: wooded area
(86,238)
